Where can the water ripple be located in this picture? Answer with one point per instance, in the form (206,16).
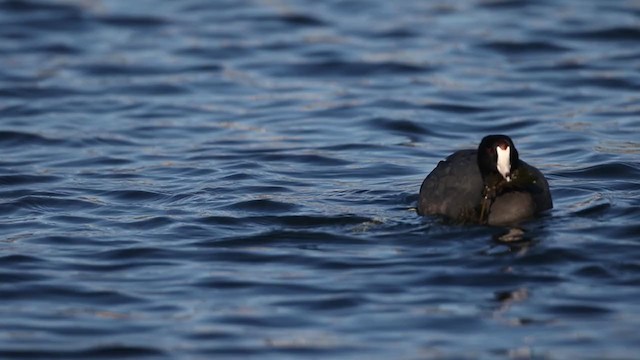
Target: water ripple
(92,352)
(335,68)
(617,33)
(524,47)
(188,180)
(14,138)
(21,180)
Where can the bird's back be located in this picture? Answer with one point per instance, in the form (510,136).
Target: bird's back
(454,188)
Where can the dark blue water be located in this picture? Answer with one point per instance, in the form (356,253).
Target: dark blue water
(207,179)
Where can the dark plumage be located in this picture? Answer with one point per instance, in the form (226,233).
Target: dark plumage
(490,185)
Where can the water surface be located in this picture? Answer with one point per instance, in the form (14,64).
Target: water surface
(201,179)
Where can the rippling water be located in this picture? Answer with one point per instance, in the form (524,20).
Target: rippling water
(194,179)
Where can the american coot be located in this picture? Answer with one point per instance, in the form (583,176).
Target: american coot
(490,185)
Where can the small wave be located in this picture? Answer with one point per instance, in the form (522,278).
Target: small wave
(553,256)
(133,21)
(339,68)
(301,20)
(134,195)
(311,159)
(404,127)
(287,18)
(578,309)
(144,223)
(288,221)
(15,277)
(58,292)
(604,81)
(37,6)
(141,70)
(124,69)
(617,171)
(455,108)
(53,202)
(109,140)
(296,238)
(594,272)
(38,92)
(149,88)
(216,52)
(18,138)
(524,47)
(21,179)
(487,279)
(93,162)
(262,205)
(504,4)
(56,49)
(97,352)
(134,253)
(325,303)
(593,210)
(397,33)
(19,260)
(63,240)
(616,33)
